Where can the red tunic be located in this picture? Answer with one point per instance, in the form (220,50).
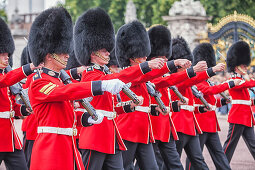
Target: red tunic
(9,137)
(240,113)
(163,125)
(137,126)
(208,121)
(184,120)
(50,100)
(29,124)
(102,137)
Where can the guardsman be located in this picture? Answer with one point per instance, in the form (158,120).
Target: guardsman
(184,119)
(49,42)
(162,125)
(10,145)
(207,119)
(94,39)
(240,117)
(132,48)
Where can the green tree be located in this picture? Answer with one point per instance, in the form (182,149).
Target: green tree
(116,12)
(3,14)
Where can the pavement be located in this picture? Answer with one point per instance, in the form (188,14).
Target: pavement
(242,159)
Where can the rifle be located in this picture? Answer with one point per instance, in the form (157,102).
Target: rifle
(125,88)
(222,93)
(17,89)
(154,93)
(199,95)
(178,94)
(84,102)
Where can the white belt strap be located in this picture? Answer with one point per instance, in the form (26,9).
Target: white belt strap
(212,107)
(188,107)
(143,109)
(57,130)
(244,102)
(7,114)
(80,110)
(108,114)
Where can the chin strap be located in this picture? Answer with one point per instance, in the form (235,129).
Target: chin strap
(56,57)
(101,56)
(137,61)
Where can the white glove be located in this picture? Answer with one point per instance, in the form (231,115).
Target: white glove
(113,86)
(98,121)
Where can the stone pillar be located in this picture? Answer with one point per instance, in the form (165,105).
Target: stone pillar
(187,18)
(130,14)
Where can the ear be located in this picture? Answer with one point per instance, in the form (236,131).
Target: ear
(48,57)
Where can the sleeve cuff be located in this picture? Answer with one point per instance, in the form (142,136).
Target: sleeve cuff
(175,106)
(97,88)
(231,84)
(74,73)
(191,73)
(210,72)
(171,67)
(127,108)
(154,112)
(24,111)
(84,119)
(201,109)
(27,70)
(145,67)
(223,102)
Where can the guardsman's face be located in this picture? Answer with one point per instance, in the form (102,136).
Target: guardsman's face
(100,57)
(243,69)
(61,61)
(4,60)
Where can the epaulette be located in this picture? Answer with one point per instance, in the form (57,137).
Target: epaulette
(37,76)
(91,68)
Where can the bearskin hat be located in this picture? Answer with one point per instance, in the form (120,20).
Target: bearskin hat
(181,49)
(132,42)
(204,52)
(238,54)
(51,32)
(160,40)
(92,31)
(113,59)
(72,61)
(6,40)
(25,58)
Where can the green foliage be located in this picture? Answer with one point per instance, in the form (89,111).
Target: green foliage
(151,11)
(220,9)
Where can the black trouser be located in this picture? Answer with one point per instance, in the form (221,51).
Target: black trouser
(143,153)
(169,154)
(28,146)
(212,142)
(234,133)
(192,148)
(94,160)
(14,160)
(158,156)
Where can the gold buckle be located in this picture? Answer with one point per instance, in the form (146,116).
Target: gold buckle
(75,131)
(11,114)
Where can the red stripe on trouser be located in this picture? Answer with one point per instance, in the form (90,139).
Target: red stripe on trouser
(230,138)
(189,165)
(89,159)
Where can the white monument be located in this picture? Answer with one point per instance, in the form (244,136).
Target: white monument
(188,19)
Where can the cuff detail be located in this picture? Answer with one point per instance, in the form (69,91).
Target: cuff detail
(96,88)
(145,67)
(27,70)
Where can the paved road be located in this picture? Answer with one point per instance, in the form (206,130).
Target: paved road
(242,159)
